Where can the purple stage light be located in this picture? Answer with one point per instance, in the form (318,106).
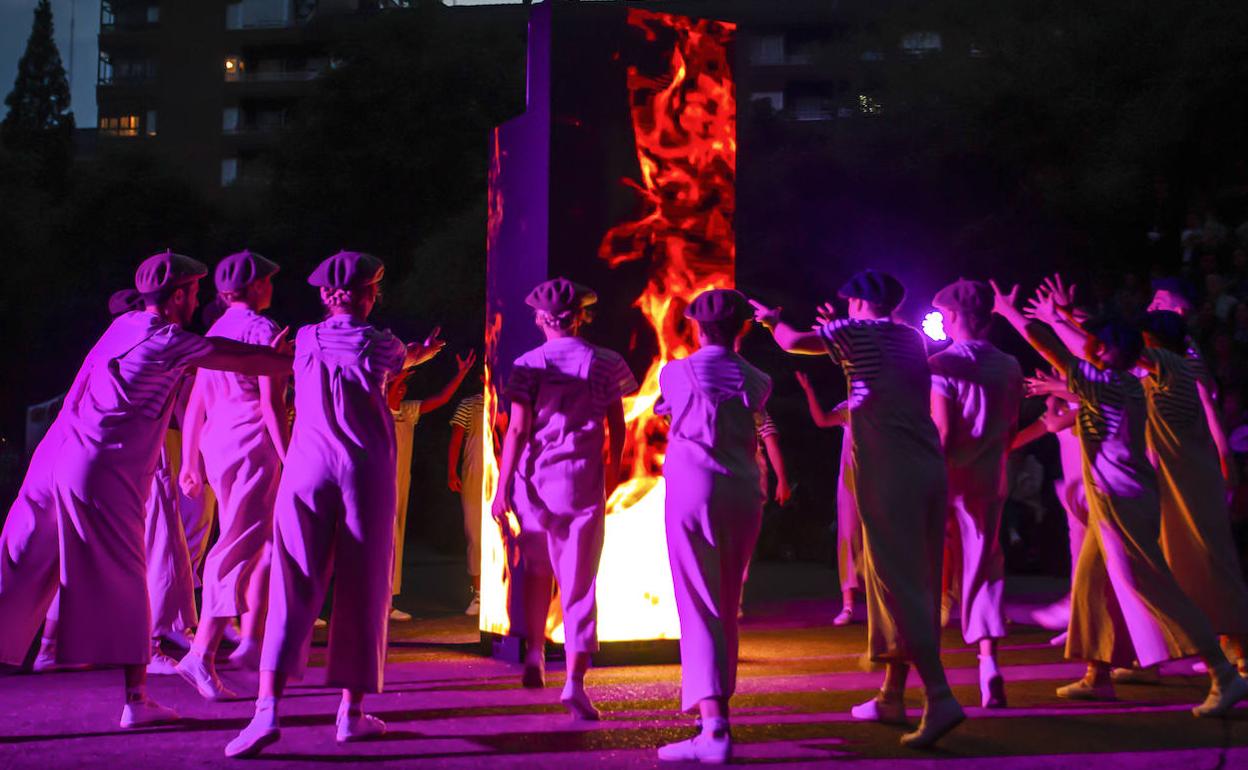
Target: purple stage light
(934,326)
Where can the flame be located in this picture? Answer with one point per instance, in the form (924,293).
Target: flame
(684,124)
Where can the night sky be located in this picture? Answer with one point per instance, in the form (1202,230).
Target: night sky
(15,19)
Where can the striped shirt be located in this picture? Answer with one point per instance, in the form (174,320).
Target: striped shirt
(886,369)
(1108,400)
(152,359)
(609,377)
(764,426)
(468,413)
(1172,390)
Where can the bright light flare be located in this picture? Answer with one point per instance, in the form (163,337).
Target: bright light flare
(934,326)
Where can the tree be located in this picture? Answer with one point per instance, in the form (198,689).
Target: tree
(39,120)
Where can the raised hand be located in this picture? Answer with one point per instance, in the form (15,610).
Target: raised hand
(1003,302)
(1043,383)
(826,313)
(1043,306)
(464,363)
(1063,295)
(767,316)
(420,352)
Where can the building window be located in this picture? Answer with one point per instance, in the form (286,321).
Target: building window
(229,171)
(233,68)
(251,14)
(868,105)
(153,14)
(773,98)
(814,107)
(149,123)
(766,49)
(229,120)
(120,125)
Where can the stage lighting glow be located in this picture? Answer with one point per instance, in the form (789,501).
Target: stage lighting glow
(934,326)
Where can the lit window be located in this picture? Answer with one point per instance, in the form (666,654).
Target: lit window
(921,43)
(229,171)
(233,68)
(149,124)
(229,120)
(766,49)
(774,98)
(153,14)
(868,105)
(121,125)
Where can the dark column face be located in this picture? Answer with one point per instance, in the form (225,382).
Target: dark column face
(621,176)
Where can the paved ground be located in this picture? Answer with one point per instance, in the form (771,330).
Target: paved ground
(448,707)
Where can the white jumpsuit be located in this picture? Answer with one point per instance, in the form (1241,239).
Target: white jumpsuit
(1195,520)
(170,575)
(404,434)
(714,508)
(899,483)
(107,441)
(559,491)
(242,467)
(986,386)
(470,415)
(335,505)
(1125,604)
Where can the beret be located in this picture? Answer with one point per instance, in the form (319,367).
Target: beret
(875,287)
(348,270)
(971,297)
(167,270)
(236,271)
(719,305)
(1177,286)
(559,295)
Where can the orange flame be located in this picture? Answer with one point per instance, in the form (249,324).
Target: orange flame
(685,126)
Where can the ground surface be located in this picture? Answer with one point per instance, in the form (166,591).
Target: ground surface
(449,707)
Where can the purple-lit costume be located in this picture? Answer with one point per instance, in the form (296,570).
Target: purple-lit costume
(898,475)
(714,508)
(103,452)
(559,493)
(1125,604)
(170,576)
(242,466)
(986,388)
(335,505)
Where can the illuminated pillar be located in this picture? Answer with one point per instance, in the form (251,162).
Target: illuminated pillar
(620,175)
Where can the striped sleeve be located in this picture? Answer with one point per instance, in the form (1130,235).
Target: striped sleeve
(523,382)
(1083,380)
(836,338)
(463,416)
(610,379)
(173,347)
(386,352)
(764,426)
(260,331)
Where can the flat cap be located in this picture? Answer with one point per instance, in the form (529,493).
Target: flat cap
(971,297)
(237,271)
(167,270)
(124,301)
(559,295)
(348,270)
(716,305)
(876,287)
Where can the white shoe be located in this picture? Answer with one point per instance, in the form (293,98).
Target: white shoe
(1054,617)
(844,617)
(231,635)
(577,702)
(320,623)
(1199,667)
(162,665)
(474,606)
(247,655)
(262,731)
(939,717)
(45,660)
(1223,696)
(205,681)
(1148,675)
(712,746)
(358,727)
(889,712)
(1059,640)
(145,713)
(399,616)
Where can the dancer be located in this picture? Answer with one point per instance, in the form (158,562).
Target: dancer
(552,476)
(1193,462)
(238,422)
(334,516)
(714,509)
(407,412)
(464,463)
(976,394)
(1146,617)
(104,453)
(900,488)
(848,525)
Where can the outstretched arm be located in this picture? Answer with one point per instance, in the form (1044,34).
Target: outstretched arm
(463,365)
(824,418)
(272,360)
(807,343)
(1039,336)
